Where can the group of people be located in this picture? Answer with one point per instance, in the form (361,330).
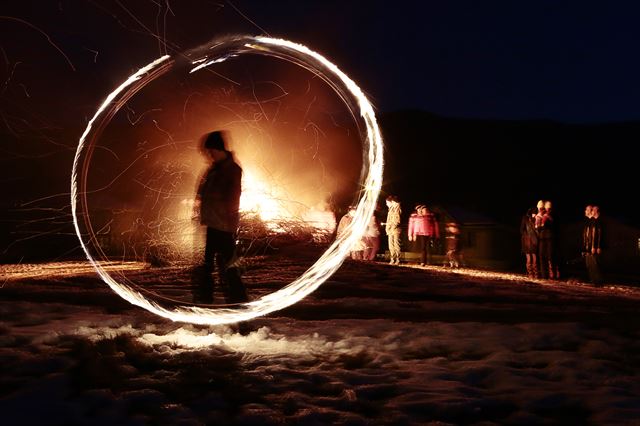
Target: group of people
(217,207)
(423,228)
(539,241)
(538,230)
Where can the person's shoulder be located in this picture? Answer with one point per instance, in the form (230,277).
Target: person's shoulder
(235,167)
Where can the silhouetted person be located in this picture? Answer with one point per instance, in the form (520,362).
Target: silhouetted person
(454,252)
(544,228)
(424,229)
(529,240)
(554,256)
(392,228)
(218,202)
(357,249)
(592,244)
(371,239)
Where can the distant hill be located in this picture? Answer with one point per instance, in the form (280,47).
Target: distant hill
(501,168)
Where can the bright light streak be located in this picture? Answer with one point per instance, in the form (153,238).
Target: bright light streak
(328,263)
(204,64)
(259,342)
(61,269)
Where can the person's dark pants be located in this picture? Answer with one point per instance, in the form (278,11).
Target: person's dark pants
(545,256)
(219,252)
(593,268)
(426,245)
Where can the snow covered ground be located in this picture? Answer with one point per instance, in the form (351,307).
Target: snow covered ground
(376,344)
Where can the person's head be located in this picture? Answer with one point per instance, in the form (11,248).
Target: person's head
(391,199)
(595,212)
(421,209)
(588,211)
(214,145)
(547,206)
(532,211)
(540,204)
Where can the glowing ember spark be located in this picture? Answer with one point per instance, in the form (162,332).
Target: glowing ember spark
(328,263)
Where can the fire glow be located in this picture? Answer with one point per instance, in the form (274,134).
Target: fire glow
(361,110)
(272,206)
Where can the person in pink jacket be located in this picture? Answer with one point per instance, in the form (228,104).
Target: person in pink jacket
(424,229)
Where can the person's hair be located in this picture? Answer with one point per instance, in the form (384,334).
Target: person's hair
(532,211)
(393,198)
(214,140)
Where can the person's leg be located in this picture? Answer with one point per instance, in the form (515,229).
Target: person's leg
(422,240)
(229,273)
(543,260)
(593,268)
(203,280)
(428,249)
(210,249)
(397,247)
(368,248)
(394,247)
(375,246)
(597,263)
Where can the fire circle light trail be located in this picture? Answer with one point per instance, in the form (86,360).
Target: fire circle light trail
(216,52)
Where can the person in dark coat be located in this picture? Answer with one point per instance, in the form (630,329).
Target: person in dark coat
(218,204)
(545,227)
(592,244)
(529,239)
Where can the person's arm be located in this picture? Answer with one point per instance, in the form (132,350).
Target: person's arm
(410,228)
(195,213)
(597,237)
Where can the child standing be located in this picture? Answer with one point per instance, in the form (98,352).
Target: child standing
(453,245)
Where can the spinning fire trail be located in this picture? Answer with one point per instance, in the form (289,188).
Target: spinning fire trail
(217,52)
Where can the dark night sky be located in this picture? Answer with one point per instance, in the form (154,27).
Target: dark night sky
(570,62)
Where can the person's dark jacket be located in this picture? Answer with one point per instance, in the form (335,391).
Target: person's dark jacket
(219,195)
